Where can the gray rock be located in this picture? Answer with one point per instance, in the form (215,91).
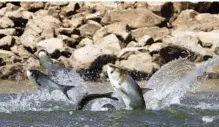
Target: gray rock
(135,18)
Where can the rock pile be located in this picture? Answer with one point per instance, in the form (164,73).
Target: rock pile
(137,36)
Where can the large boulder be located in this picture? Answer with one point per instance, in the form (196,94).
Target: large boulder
(192,20)
(135,18)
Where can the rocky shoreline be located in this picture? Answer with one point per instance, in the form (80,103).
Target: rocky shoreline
(137,36)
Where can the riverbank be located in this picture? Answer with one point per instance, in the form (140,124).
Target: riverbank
(137,36)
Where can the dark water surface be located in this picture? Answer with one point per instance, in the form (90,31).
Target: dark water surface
(22,107)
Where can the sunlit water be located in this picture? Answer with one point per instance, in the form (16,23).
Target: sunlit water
(177,99)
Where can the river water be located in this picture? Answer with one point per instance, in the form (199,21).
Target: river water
(176,100)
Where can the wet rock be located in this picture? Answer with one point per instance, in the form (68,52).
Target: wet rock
(184,45)
(155,48)
(192,20)
(6,42)
(8,31)
(110,42)
(155,32)
(89,28)
(32,6)
(51,45)
(135,18)
(187,41)
(90,56)
(145,40)
(6,23)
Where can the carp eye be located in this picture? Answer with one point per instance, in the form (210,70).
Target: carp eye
(111,72)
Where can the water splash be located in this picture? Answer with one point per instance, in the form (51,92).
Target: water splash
(173,80)
(39,101)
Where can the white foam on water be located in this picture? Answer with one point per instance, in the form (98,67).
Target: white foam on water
(40,101)
(173,80)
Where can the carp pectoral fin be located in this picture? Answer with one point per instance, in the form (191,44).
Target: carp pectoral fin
(145,90)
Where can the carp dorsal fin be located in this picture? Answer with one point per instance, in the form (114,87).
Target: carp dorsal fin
(145,90)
